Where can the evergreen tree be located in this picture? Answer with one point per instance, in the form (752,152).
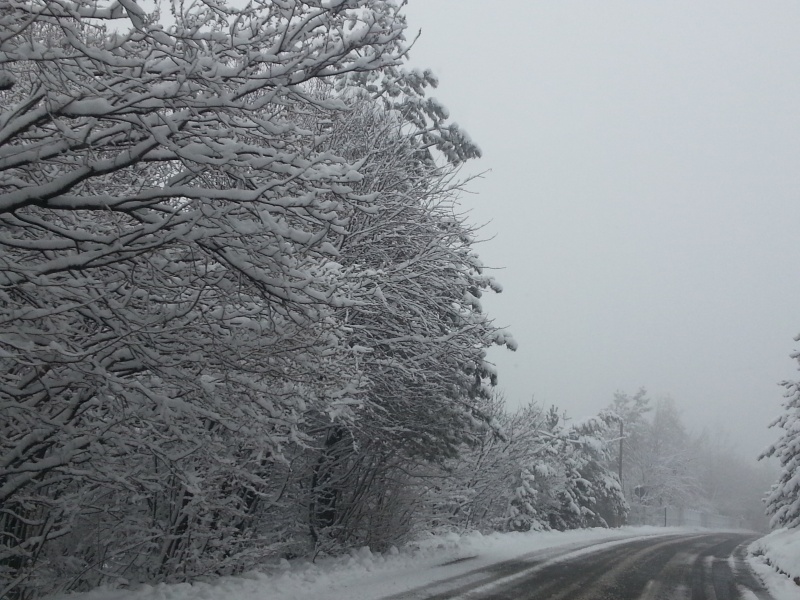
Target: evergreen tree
(783,500)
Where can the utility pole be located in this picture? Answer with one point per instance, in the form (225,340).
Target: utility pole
(621,427)
(619,517)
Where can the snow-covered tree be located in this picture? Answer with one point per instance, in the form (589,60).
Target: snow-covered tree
(668,470)
(239,303)
(659,458)
(531,470)
(731,482)
(783,500)
(581,491)
(415,317)
(175,309)
(493,484)
(632,411)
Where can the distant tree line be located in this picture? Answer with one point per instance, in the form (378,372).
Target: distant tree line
(664,463)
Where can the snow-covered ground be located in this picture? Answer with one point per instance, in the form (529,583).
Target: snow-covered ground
(364,575)
(776,559)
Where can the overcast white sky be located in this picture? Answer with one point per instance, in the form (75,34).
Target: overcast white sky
(644,194)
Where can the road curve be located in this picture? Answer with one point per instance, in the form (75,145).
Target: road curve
(708,566)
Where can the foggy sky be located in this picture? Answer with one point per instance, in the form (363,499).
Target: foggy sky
(643,200)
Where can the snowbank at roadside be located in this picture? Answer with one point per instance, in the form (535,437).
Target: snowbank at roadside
(366,575)
(776,559)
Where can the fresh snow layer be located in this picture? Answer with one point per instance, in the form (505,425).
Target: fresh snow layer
(365,575)
(776,559)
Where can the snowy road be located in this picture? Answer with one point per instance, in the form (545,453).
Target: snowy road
(706,566)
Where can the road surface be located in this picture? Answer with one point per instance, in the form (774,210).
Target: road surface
(707,566)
